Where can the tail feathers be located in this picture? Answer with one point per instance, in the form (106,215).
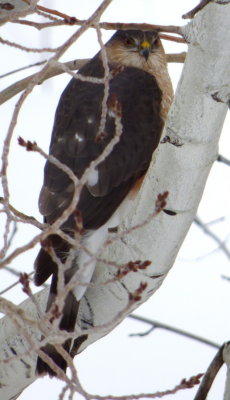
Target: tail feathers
(67,323)
(43,368)
(45,266)
(76,344)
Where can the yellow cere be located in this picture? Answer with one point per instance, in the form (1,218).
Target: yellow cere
(145,44)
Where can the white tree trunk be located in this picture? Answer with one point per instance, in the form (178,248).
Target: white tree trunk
(195,122)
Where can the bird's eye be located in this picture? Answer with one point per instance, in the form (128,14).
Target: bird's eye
(155,42)
(128,41)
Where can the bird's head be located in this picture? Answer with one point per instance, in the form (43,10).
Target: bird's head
(135,48)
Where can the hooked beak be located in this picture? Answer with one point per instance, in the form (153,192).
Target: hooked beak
(145,49)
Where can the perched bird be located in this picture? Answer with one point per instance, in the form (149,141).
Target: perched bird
(140,86)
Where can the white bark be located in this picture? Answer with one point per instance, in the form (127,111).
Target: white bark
(17,374)
(195,121)
(18,9)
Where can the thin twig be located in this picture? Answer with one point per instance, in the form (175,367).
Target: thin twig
(172,38)
(176,57)
(105,64)
(216,221)
(23,217)
(6,234)
(157,324)
(13,233)
(22,69)
(46,10)
(47,16)
(207,231)
(106,25)
(185,384)
(223,159)
(28,49)
(141,26)
(227,278)
(11,270)
(43,25)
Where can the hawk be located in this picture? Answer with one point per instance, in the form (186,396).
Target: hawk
(139,82)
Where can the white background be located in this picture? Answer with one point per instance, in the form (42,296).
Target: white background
(194,296)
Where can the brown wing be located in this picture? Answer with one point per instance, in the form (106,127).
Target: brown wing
(73,143)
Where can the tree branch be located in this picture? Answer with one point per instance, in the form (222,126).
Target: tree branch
(56,70)
(210,375)
(200,6)
(212,235)
(103,25)
(157,324)
(223,159)
(17,87)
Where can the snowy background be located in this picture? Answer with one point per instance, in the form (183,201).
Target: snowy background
(194,296)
